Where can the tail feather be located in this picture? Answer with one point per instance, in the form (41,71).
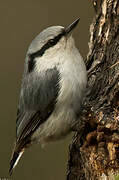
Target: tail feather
(15,158)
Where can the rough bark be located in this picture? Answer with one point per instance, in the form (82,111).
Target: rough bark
(94,152)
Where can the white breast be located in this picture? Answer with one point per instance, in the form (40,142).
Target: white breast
(72,87)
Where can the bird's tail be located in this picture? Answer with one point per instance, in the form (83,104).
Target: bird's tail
(14,160)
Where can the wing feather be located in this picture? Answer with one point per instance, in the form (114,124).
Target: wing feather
(37,101)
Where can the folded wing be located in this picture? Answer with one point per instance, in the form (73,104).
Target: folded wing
(37,100)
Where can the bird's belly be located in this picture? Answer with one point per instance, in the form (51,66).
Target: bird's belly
(57,126)
(64,116)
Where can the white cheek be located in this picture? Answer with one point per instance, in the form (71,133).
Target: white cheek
(52,57)
(53,51)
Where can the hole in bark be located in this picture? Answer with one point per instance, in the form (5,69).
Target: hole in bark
(116,101)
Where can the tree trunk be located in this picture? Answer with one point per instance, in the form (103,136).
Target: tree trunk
(94,152)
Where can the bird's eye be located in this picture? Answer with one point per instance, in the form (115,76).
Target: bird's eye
(51,41)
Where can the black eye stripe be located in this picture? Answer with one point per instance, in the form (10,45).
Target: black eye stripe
(50,43)
(31,64)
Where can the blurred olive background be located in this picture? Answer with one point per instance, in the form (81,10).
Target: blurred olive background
(20,22)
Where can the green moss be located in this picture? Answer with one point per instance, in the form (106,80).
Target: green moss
(117,177)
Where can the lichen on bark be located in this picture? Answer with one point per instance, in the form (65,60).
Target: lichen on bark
(94,152)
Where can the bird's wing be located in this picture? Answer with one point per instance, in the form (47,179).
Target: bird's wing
(37,100)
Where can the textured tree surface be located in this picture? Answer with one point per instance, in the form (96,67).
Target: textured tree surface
(94,152)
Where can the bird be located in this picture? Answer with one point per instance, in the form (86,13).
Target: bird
(52,90)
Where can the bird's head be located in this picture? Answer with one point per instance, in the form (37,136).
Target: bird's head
(50,40)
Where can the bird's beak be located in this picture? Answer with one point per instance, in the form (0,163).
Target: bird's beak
(71,26)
